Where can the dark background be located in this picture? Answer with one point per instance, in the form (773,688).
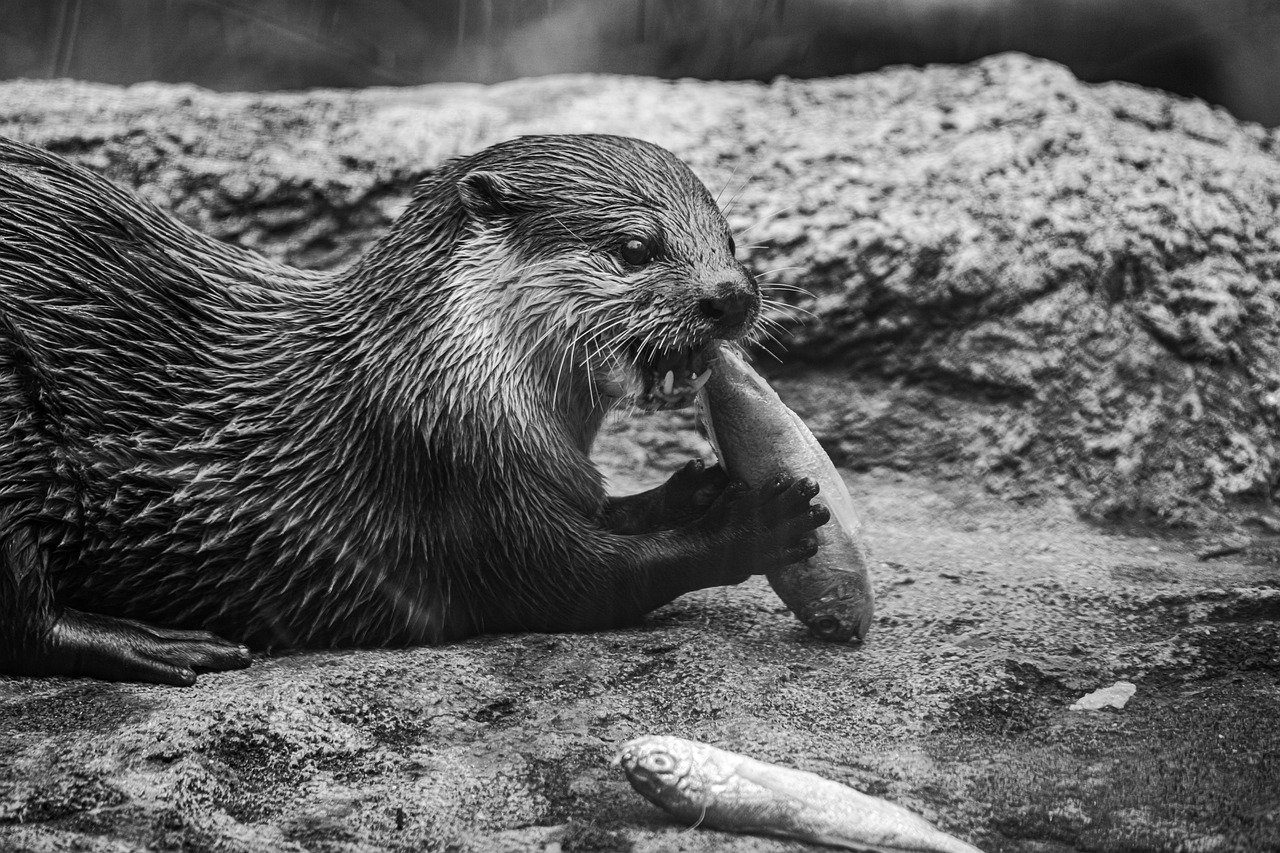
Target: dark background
(1225,51)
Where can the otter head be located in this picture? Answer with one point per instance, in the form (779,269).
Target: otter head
(616,255)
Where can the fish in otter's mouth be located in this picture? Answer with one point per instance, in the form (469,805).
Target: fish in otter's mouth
(659,379)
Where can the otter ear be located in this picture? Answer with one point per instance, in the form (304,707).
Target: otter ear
(488,194)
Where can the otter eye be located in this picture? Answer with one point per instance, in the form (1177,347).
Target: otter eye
(733,247)
(636,252)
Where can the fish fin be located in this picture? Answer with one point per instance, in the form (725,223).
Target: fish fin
(787,783)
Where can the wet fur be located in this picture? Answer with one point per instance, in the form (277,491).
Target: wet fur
(397,453)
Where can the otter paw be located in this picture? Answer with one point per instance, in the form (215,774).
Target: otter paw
(124,650)
(692,490)
(760,530)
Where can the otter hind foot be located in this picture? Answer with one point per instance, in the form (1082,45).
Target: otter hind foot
(124,650)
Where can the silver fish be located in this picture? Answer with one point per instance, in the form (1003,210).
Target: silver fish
(703,785)
(756,437)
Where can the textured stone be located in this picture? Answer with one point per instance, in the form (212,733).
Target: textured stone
(1116,696)
(1055,288)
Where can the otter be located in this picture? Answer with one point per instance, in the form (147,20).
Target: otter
(204,452)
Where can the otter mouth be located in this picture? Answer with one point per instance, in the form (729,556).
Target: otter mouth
(667,379)
(673,379)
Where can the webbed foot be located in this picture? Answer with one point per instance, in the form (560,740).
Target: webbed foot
(760,530)
(88,644)
(691,491)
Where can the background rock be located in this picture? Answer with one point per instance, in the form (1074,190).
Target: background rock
(1062,290)
(1053,286)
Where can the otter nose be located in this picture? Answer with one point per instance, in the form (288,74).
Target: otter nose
(729,309)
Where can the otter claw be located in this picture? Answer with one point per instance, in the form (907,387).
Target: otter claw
(816,516)
(806,487)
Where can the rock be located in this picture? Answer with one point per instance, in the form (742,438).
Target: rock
(1225,547)
(504,742)
(1059,670)
(1057,287)
(1115,696)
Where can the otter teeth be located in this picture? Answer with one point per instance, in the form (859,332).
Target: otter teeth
(669,382)
(701,379)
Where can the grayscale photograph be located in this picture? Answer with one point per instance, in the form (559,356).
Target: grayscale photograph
(758,426)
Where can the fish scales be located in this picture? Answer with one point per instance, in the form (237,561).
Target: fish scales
(701,784)
(756,436)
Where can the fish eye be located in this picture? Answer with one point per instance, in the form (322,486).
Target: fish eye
(636,251)
(827,625)
(659,762)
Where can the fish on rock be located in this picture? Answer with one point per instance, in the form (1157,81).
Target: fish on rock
(756,436)
(702,785)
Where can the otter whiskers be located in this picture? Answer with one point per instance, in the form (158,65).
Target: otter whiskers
(781,285)
(766,218)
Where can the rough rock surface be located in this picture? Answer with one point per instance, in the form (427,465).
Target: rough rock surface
(1063,290)
(993,620)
